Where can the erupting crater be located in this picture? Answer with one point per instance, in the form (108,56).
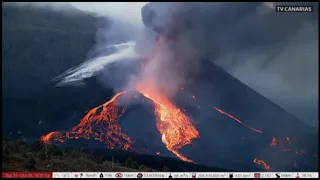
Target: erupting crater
(175,127)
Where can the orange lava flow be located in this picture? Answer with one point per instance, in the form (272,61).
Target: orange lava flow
(282,142)
(285,144)
(174,126)
(261,162)
(47,138)
(274,142)
(237,120)
(100,123)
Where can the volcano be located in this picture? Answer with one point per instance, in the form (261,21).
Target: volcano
(220,122)
(227,124)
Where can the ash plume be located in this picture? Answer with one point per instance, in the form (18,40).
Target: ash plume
(273,53)
(167,67)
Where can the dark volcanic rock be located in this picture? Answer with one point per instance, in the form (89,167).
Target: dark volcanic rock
(224,142)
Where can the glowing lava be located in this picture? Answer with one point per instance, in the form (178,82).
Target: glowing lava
(101,123)
(261,162)
(274,142)
(47,138)
(237,120)
(174,126)
(285,144)
(282,142)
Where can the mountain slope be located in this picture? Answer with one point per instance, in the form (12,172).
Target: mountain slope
(223,141)
(39,44)
(227,141)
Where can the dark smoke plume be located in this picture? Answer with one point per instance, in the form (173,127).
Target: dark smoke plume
(274,53)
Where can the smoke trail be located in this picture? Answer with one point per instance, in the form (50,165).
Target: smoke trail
(124,51)
(118,27)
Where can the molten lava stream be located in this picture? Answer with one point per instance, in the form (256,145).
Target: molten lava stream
(102,125)
(174,126)
(261,162)
(237,120)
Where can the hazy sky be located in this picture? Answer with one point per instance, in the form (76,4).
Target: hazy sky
(129,11)
(126,11)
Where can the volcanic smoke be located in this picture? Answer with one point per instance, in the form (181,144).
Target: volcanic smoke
(175,127)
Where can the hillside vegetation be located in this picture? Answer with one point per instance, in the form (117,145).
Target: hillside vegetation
(21,156)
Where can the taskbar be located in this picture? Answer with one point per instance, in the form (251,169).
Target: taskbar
(160,174)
